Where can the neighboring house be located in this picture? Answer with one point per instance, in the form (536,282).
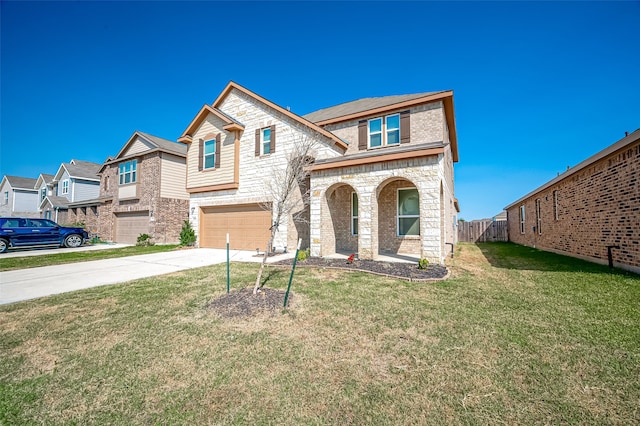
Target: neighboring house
(18,197)
(588,208)
(382,181)
(142,191)
(75,182)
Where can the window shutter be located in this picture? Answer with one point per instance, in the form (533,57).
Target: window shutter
(273,138)
(362,134)
(200,154)
(405,127)
(218,144)
(257,142)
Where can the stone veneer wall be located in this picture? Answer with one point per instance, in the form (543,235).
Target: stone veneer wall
(369,182)
(596,207)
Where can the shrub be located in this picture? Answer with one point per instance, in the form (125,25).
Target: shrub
(303,254)
(144,240)
(187,234)
(74,225)
(423,264)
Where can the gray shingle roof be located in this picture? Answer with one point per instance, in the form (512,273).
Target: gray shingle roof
(361,105)
(57,201)
(166,145)
(21,182)
(83,169)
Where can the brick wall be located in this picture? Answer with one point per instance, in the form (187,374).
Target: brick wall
(587,211)
(166,214)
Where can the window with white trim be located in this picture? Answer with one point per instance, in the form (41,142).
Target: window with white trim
(128,172)
(384,131)
(6,197)
(408,212)
(65,186)
(209,154)
(522,219)
(538,217)
(43,193)
(354,213)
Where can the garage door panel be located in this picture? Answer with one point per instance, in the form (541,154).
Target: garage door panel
(130,225)
(247,225)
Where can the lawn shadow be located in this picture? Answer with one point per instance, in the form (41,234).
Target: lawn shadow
(507,255)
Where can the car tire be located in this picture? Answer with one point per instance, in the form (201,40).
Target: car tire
(4,245)
(73,240)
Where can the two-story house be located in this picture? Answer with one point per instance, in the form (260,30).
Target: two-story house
(75,181)
(381,182)
(19,197)
(142,191)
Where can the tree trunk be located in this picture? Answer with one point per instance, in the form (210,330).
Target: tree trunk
(264,260)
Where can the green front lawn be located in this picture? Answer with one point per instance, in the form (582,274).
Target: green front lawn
(515,336)
(24,262)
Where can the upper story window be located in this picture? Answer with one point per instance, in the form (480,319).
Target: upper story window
(128,172)
(266,140)
(6,197)
(408,212)
(209,154)
(65,186)
(389,130)
(384,131)
(43,193)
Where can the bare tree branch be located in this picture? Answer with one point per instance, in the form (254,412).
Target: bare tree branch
(288,191)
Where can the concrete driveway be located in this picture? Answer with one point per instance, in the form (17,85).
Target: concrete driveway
(32,283)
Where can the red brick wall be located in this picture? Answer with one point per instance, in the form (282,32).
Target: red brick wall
(597,206)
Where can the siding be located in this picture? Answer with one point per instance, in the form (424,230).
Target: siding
(5,208)
(24,202)
(137,147)
(173,177)
(65,176)
(85,190)
(211,125)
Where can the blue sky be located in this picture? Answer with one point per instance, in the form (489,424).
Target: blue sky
(538,86)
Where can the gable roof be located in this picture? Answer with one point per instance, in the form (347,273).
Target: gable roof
(622,143)
(78,169)
(157,143)
(55,201)
(187,134)
(230,122)
(365,105)
(43,178)
(23,183)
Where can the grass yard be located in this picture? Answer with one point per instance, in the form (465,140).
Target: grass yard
(515,336)
(24,262)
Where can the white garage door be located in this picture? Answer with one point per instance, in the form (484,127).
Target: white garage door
(247,225)
(130,225)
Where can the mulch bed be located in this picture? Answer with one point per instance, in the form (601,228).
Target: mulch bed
(243,303)
(405,271)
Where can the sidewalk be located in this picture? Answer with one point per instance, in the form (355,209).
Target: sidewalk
(32,283)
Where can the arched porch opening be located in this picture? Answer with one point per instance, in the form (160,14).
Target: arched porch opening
(340,226)
(398,217)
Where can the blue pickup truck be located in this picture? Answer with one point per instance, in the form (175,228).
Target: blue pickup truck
(31,232)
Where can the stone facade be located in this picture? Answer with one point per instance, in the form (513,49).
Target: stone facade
(594,205)
(423,161)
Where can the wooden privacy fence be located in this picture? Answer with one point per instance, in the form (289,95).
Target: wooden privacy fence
(482,231)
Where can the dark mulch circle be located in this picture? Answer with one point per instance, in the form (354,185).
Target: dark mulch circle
(243,303)
(407,271)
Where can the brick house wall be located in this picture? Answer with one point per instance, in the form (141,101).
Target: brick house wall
(166,215)
(586,209)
